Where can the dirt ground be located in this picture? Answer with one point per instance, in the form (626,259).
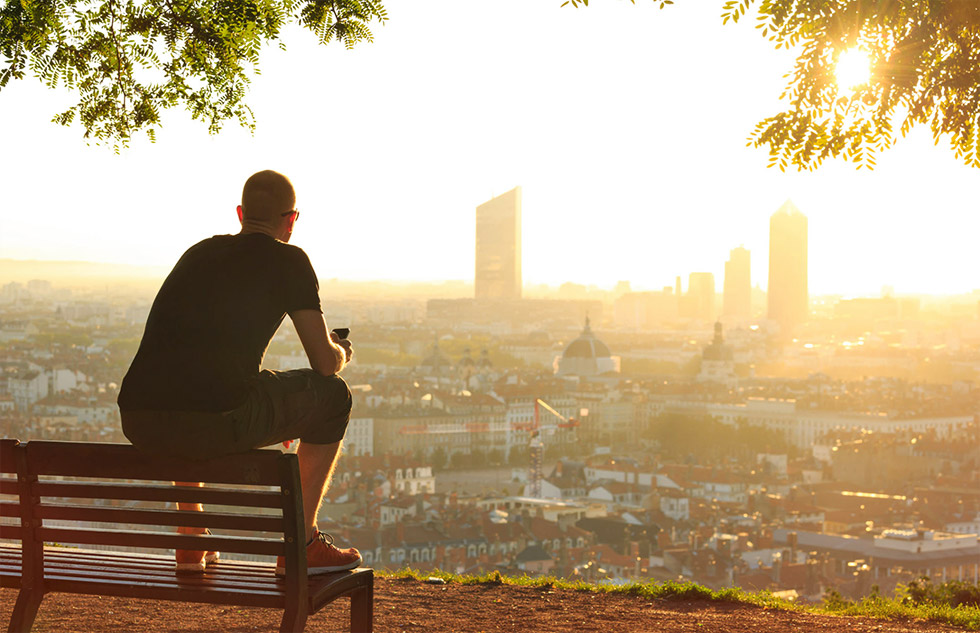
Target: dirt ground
(412,606)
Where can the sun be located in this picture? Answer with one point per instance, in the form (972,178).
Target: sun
(853,69)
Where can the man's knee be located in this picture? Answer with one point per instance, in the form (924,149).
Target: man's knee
(336,396)
(327,421)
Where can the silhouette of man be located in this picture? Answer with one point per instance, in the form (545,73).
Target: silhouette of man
(195,388)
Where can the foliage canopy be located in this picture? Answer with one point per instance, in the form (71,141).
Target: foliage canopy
(129,59)
(925,70)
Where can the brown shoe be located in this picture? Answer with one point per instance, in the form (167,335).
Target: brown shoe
(323,557)
(194,561)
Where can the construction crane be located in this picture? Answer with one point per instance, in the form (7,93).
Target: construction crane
(536,447)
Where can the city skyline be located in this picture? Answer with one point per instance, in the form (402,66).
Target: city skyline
(646,177)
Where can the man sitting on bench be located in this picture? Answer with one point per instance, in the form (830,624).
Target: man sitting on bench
(195,388)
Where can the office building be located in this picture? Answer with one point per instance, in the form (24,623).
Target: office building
(788,294)
(498,247)
(737,296)
(701,294)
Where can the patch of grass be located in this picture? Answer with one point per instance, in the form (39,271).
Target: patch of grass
(904,607)
(668,590)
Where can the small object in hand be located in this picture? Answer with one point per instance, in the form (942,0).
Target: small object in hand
(342,332)
(434,580)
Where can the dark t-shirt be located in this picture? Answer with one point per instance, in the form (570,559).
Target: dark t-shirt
(212,320)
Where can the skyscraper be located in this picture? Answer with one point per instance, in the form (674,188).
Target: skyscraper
(701,290)
(498,247)
(737,298)
(788,294)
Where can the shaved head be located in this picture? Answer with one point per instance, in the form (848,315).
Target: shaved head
(267,195)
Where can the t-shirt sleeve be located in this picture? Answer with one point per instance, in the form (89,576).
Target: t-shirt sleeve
(300,287)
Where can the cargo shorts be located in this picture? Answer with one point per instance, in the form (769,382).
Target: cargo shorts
(280,405)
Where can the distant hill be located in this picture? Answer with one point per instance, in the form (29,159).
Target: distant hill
(21,270)
(83,273)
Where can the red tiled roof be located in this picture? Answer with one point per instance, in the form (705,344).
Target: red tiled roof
(542,529)
(619,487)
(608,556)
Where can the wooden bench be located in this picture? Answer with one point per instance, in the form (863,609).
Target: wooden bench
(114,496)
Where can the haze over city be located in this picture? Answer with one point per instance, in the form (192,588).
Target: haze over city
(633,166)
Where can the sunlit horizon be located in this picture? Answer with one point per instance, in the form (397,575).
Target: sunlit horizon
(632,169)
(149,273)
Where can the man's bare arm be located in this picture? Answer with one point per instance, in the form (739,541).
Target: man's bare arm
(326,356)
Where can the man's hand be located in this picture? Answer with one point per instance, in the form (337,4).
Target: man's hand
(327,355)
(344,343)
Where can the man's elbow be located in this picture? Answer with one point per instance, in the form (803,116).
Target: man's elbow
(330,366)
(328,369)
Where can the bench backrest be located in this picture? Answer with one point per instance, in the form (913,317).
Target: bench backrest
(8,489)
(115,495)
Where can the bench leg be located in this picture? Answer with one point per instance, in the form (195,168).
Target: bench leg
(25,610)
(293,620)
(362,610)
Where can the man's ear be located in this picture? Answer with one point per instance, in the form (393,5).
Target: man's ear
(241,220)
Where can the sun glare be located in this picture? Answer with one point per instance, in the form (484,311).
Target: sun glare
(853,69)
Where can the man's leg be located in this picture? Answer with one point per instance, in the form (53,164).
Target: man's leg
(315,409)
(316,465)
(193,560)
(190,507)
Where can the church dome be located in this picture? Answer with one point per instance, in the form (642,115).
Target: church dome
(586,346)
(484,361)
(467,360)
(586,356)
(436,359)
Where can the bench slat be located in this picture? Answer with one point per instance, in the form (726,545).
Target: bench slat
(221,572)
(159,517)
(8,486)
(10,531)
(10,580)
(212,579)
(58,552)
(61,558)
(159,540)
(123,461)
(10,509)
(166,591)
(174,494)
(57,555)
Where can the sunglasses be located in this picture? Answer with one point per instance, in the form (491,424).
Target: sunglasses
(296,211)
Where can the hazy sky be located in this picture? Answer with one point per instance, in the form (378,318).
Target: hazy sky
(625,125)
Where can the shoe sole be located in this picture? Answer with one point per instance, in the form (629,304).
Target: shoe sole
(198,568)
(314,571)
